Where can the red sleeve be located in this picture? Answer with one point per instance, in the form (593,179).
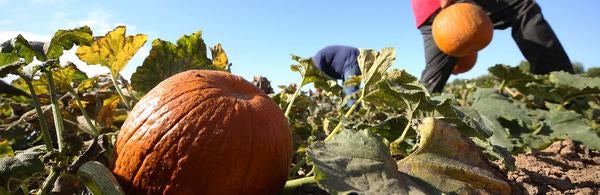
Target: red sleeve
(422,9)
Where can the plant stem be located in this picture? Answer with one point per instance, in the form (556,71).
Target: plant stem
(58,122)
(117,88)
(401,138)
(502,85)
(292,184)
(338,127)
(408,123)
(41,118)
(49,182)
(296,167)
(84,112)
(289,107)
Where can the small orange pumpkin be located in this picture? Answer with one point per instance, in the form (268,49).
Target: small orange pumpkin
(204,132)
(462,29)
(464,64)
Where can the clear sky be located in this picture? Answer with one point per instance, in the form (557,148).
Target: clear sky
(258,36)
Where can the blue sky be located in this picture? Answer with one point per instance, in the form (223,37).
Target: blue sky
(258,36)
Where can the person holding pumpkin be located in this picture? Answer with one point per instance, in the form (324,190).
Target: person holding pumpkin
(531,32)
(339,62)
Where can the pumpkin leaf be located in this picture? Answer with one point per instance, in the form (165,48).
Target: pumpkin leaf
(450,161)
(21,48)
(22,165)
(219,58)
(564,79)
(65,39)
(373,66)
(63,79)
(113,50)
(107,112)
(510,76)
(571,125)
(494,109)
(167,59)
(65,76)
(9,68)
(359,162)
(311,74)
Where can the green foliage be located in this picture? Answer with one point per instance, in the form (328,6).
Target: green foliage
(311,74)
(65,39)
(358,149)
(359,162)
(167,59)
(529,111)
(113,50)
(14,170)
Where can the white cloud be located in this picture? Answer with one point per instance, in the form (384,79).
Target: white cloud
(90,70)
(6,35)
(98,20)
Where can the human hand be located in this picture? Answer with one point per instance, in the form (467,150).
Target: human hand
(446,3)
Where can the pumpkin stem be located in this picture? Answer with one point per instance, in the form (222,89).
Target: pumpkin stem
(293,184)
(289,107)
(118,89)
(338,127)
(38,109)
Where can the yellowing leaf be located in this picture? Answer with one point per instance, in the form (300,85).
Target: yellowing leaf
(113,50)
(106,114)
(219,58)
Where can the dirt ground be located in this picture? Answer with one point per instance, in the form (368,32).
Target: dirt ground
(565,167)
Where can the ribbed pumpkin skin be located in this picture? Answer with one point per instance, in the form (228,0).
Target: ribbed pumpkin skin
(204,132)
(464,64)
(462,29)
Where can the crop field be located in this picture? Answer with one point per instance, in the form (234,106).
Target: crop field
(172,129)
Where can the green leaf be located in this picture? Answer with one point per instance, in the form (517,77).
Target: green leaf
(451,162)
(113,50)
(9,68)
(167,59)
(311,74)
(467,120)
(395,89)
(511,76)
(63,78)
(575,81)
(493,107)
(359,162)
(373,66)
(65,39)
(19,47)
(571,125)
(22,165)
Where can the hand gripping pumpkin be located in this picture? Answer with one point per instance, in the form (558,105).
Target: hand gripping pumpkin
(204,132)
(462,29)
(464,64)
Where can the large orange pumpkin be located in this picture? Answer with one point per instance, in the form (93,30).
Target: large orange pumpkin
(204,132)
(464,64)
(462,29)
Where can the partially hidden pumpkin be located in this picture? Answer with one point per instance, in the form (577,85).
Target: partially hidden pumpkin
(462,29)
(204,132)
(464,64)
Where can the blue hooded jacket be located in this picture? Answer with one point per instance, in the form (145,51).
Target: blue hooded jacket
(336,60)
